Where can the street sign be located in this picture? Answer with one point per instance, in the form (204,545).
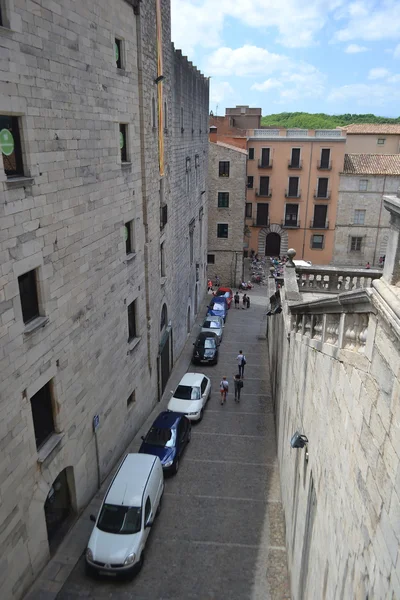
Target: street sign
(96,422)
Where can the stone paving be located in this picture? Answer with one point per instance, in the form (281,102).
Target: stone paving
(221,531)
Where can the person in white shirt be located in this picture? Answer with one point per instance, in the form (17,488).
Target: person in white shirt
(241,360)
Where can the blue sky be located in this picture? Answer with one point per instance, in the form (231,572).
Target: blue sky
(333,56)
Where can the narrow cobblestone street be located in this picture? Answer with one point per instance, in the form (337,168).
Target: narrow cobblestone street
(220,533)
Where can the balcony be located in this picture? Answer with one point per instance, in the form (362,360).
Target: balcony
(289,224)
(319,195)
(292,194)
(264,193)
(260,222)
(324,165)
(298,164)
(264,164)
(318,225)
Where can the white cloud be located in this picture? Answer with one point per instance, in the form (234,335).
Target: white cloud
(396,52)
(268,84)
(220,91)
(394,79)
(355,49)
(378,73)
(247,60)
(370,20)
(299,80)
(363,94)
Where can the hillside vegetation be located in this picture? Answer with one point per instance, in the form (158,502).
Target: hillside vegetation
(321,120)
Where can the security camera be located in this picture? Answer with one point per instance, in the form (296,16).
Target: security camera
(298,440)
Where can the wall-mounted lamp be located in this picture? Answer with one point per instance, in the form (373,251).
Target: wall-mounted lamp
(159,78)
(298,440)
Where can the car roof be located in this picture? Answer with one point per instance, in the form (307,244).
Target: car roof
(218,300)
(224,289)
(203,335)
(167,420)
(192,379)
(128,485)
(216,318)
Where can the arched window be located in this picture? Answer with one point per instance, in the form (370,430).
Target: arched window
(164,317)
(153,111)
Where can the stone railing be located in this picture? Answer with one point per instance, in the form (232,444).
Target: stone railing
(333,280)
(330,133)
(265,133)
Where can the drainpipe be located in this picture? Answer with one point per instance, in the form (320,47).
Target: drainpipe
(308,192)
(379,221)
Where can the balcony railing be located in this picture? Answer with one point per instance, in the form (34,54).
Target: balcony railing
(264,193)
(297,164)
(318,225)
(292,194)
(265,164)
(290,224)
(320,196)
(324,165)
(261,222)
(333,279)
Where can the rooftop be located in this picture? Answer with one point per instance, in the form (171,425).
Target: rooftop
(372,164)
(282,134)
(372,128)
(230,147)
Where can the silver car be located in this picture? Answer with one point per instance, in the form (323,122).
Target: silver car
(214,325)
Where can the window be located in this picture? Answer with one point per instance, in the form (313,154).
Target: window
(129,237)
(153,113)
(203,385)
(118,53)
(325,158)
(363,185)
(359,217)
(162,259)
(293,190)
(192,123)
(223,199)
(164,317)
(131,400)
(42,413)
(320,212)
(224,168)
(249,210)
(291,214)
(322,190)
(317,242)
(381,141)
(250,182)
(251,153)
(10,145)
(265,157)
(147,510)
(201,225)
(165,116)
(132,332)
(295,159)
(264,186)
(222,230)
(29,296)
(182,128)
(163,215)
(211,259)
(191,234)
(262,214)
(123,137)
(355,244)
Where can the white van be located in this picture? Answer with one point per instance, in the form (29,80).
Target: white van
(116,545)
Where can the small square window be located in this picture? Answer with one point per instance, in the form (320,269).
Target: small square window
(42,414)
(29,296)
(317,242)
(224,168)
(223,199)
(222,230)
(131,400)
(129,237)
(355,244)
(381,141)
(249,210)
(363,185)
(251,153)
(118,53)
(250,182)
(123,140)
(10,146)
(211,259)
(359,217)
(132,328)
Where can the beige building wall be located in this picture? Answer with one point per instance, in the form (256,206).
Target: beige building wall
(300,236)
(225,255)
(372,143)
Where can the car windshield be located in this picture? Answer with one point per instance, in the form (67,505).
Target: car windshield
(187,392)
(120,519)
(218,306)
(220,293)
(165,438)
(209,343)
(211,325)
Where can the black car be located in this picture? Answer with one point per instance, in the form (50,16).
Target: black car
(206,349)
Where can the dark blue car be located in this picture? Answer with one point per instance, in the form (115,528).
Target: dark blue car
(218,307)
(167,438)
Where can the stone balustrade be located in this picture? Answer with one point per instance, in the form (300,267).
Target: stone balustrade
(333,280)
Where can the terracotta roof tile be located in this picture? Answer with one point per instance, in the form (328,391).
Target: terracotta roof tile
(372,164)
(371,128)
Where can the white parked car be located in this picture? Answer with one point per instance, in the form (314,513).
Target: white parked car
(191,396)
(213,325)
(116,545)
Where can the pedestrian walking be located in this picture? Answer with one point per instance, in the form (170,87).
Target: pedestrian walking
(244,300)
(248,301)
(241,360)
(238,383)
(223,388)
(236,298)
(209,285)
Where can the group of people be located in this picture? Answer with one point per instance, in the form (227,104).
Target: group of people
(245,301)
(237,381)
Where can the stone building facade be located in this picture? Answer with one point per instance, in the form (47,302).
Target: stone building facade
(98,222)
(226,204)
(362,225)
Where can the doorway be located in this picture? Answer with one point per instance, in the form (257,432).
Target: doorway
(165,364)
(58,509)
(273,244)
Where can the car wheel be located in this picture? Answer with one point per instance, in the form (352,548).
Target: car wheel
(140,563)
(90,571)
(176,466)
(189,436)
(159,505)
(201,415)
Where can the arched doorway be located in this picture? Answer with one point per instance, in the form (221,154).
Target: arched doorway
(58,509)
(188,320)
(273,244)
